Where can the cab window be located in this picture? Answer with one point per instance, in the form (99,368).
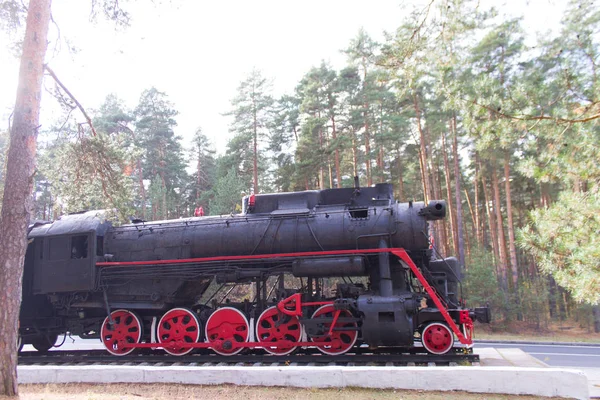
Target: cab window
(79,246)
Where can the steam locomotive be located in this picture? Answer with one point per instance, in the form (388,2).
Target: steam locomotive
(327,269)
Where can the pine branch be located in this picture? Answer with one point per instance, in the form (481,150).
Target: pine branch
(59,83)
(534,117)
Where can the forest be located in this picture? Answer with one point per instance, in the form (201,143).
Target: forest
(454,104)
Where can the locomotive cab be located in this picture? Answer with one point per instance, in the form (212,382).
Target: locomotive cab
(65,253)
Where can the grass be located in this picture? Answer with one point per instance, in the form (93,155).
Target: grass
(231,392)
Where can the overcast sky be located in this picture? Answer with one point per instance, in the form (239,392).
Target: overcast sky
(198,51)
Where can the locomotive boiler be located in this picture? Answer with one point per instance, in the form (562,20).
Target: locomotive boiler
(328,269)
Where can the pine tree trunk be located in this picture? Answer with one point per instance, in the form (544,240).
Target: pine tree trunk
(422,151)
(338,177)
(439,231)
(473,231)
(596,312)
(368,151)
(255,150)
(492,223)
(544,195)
(500,226)
(449,194)
(562,306)
(511,229)
(400,178)
(17,204)
(423,181)
(467,250)
(142,189)
(478,224)
(366,125)
(164,196)
(354,155)
(380,155)
(321,169)
(552,296)
(459,214)
(198,179)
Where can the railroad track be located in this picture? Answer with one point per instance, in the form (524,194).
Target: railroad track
(100,357)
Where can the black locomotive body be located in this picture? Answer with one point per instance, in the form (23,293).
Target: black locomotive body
(331,268)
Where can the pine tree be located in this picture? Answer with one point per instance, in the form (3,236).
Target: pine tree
(284,136)
(317,93)
(362,52)
(88,173)
(350,119)
(18,185)
(227,194)
(162,156)
(250,114)
(203,156)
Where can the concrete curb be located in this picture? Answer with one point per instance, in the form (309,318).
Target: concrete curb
(485,341)
(508,380)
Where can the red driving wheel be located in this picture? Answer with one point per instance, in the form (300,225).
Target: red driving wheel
(227,325)
(178,325)
(342,340)
(273,327)
(437,338)
(125,329)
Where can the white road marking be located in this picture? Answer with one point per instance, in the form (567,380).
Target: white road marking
(565,354)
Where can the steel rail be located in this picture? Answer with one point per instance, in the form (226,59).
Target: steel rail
(205,359)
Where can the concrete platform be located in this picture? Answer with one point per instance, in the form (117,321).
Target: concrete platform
(493,357)
(593,375)
(518,358)
(509,380)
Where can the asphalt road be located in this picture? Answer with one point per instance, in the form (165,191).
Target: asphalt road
(556,355)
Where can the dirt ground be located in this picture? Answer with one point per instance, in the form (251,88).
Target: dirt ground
(230,392)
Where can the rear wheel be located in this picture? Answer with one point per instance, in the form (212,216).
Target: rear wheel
(19,343)
(43,343)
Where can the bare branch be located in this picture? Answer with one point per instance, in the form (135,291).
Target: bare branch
(66,120)
(87,117)
(418,28)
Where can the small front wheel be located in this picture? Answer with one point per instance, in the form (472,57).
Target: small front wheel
(43,343)
(437,338)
